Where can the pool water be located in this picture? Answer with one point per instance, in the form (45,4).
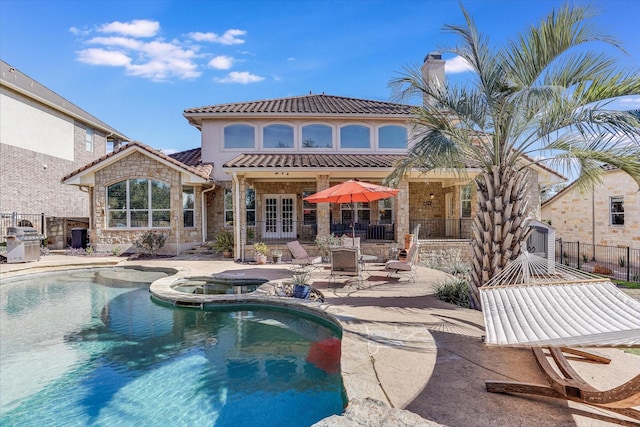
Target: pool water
(217,286)
(87,348)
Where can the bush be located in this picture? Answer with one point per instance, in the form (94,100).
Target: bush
(223,241)
(151,242)
(454,291)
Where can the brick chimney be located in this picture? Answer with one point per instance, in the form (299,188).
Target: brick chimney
(433,73)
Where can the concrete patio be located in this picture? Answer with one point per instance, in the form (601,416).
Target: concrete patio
(402,348)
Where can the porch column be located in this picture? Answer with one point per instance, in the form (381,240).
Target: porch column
(240,215)
(322,209)
(402,210)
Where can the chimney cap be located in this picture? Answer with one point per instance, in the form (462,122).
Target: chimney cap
(433,56)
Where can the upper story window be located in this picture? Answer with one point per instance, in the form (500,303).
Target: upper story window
(188,206)
(317,136)
(88,139)
(617,210)
(392,137)
(139,203)
(277,136)
(239,136)
(355,136)
(465,201)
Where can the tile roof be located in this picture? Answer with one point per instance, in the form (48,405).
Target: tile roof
(203,170)
(313,161)
(308,104)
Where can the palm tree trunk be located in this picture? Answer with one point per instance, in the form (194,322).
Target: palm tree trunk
(498,228)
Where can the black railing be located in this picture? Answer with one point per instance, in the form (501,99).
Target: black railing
(622,263)
(14,219)
(275,232)
(441,228)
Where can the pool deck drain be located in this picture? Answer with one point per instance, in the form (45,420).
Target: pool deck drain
(403,347)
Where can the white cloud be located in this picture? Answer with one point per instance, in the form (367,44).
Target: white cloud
(242,77)
(457,65)
(221,62)
(135,28)
(138,48)
(96,56)
(230,37)
(630,102)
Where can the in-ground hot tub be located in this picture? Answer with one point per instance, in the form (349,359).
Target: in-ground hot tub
(217,285)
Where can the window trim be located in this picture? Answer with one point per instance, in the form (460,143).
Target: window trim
(377,137)
(300,145)
(346,125)
(226,208)
(255,136)
(612,213)
(192,210)
(264,127)
(150,210)
(89,139)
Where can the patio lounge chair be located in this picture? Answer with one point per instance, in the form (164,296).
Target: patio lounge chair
(300,256)
(345,262)
(550,307)
(406,266)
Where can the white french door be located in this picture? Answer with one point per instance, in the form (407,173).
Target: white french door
(279,216)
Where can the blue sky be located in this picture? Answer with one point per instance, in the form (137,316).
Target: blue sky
(138,64)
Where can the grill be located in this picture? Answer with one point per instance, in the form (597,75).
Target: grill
(23,244)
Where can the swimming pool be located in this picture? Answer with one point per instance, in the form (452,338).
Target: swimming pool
(87,348)
(216,285)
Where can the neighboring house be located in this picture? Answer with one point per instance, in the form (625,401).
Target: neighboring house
(266,156)
(42,137)
(608,215)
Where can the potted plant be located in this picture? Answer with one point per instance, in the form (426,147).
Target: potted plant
(301,279)
(223,242)
(276,254)
(325,243)
(261,250)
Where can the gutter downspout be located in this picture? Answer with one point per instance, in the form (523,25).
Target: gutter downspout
(204,212)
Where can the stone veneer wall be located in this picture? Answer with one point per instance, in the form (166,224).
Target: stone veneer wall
(445,252)
(137,165)
(58,231)
(584,217)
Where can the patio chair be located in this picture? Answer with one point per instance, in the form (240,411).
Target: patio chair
(549,307)
(407,266)
(300,256)
(345,262)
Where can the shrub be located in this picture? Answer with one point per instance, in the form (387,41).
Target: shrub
(600,269)
(622,261)
(454,291)
(151,242)
(261,248)
(223,241)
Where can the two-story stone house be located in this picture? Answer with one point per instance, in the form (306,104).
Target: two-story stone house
(264,157)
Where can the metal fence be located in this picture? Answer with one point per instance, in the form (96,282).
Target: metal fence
(622,263)
(441,228)
(14,219)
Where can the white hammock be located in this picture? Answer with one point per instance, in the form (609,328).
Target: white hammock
(536,302)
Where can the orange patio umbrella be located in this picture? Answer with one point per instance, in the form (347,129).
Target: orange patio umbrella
(352,191)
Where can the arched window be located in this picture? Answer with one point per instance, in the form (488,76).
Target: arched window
(277,136)
(239,136)
(392,137)
(139,203)
(355,136)
(317,136)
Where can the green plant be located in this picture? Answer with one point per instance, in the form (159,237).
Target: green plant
(116,251)
(454,291)
(223,241)
(89,251)
(585,258)
(151,242)
(261,248)
(324,244)
(622,261)
(301,276)
(276,252)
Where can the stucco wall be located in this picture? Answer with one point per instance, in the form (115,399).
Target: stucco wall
(584,217)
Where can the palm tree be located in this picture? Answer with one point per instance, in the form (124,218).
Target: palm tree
(542,97)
